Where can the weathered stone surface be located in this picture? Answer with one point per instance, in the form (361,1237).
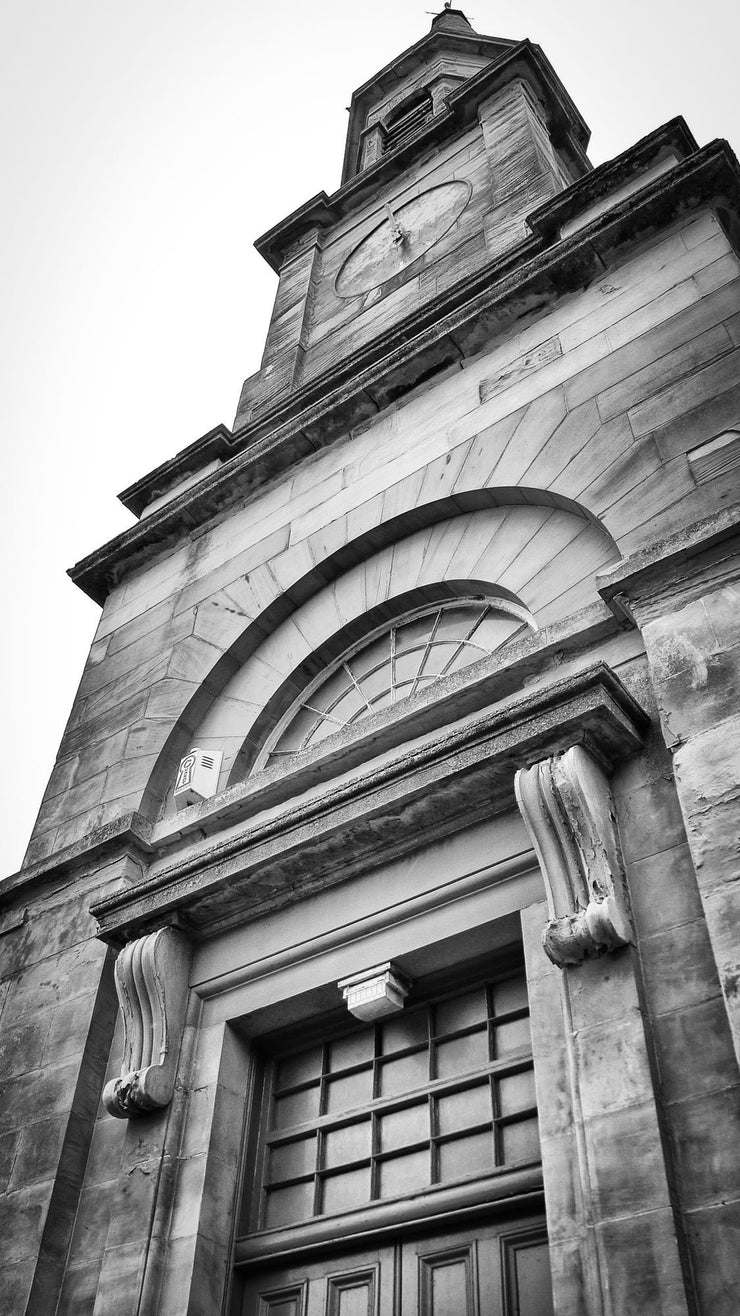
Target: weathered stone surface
(512,413)
(152,984)
(567,807)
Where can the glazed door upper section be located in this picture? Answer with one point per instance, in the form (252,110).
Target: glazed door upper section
(417,1133)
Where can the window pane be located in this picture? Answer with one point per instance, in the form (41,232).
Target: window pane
(495,631)
(344,1192)
(461,1012)
(520,1142)
(461,1054)
(398,1076)
(332,689)
(516,1092)
(347,708)
(510,995)
(292,1159)
(404,1174)
(403,1127)
(405,1030)
(375,681)
(286,1205)
(512,1038)
(297,1108)
(441,655)
(300,1068)
(465,655)
(407,666)
(463,1156)
(351,1143)
(350,1091)
(414,633)
(460,1110)
(374,657)
(351,1050)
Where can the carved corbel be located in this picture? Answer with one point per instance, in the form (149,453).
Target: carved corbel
(375,993)
(152,986)
(567,807)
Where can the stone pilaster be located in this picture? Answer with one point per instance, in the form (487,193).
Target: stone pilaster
(685,597)
(613,1244)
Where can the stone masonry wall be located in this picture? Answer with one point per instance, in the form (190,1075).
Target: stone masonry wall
(595,402)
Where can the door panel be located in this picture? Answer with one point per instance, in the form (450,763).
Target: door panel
(447,1283)
(358,1284)
(478,1269)
(458,1272)
(352,1294)
(283,1302)
(527,1275)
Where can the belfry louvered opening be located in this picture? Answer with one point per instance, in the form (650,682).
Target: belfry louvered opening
(407,118)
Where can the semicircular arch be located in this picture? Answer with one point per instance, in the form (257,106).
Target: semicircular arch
(526,546)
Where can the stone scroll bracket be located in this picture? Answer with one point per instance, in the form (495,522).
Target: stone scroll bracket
(567,806)
(152,984)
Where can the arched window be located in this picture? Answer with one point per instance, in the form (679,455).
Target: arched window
(392,663)
(407,118)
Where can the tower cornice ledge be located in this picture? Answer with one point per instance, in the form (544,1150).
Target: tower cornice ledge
(457,325)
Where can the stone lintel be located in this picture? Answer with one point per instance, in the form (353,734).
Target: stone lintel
(442,784)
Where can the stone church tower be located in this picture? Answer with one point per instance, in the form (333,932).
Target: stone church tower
(376,949)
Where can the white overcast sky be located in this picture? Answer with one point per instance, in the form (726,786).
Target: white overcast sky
(144,146)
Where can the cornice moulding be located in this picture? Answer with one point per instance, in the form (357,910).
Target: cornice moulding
(133,837)
(675,568)
(468,318)
(447,782)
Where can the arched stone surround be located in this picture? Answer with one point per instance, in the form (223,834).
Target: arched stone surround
(539,553)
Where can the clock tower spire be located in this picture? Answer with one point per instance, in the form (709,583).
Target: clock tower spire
(449,148)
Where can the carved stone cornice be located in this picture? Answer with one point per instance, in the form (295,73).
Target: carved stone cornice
(328,831)
(463,319)
(675,570)
(152,985)
(566,804)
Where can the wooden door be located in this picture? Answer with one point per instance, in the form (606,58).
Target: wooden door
(476,1269)
(359,1284)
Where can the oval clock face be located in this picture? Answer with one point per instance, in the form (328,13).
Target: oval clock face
(404,235)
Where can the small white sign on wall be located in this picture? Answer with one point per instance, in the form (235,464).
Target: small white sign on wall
(197,777)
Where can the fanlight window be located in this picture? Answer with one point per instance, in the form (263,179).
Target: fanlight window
(392,664)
